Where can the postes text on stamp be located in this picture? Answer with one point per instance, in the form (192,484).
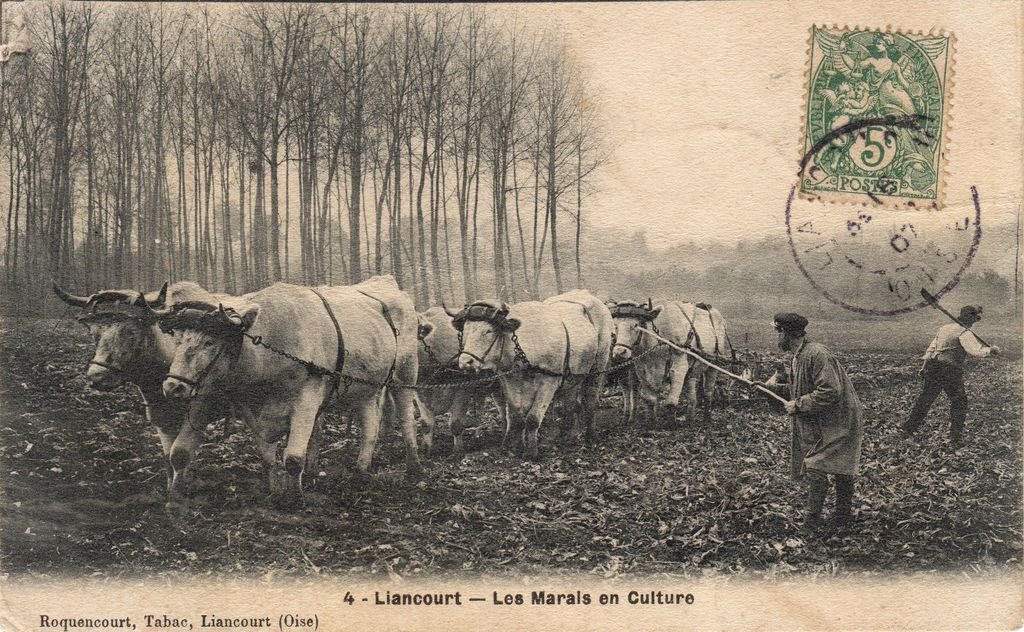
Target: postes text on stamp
(876,112)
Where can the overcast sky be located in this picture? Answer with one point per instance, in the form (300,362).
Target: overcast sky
(703,107)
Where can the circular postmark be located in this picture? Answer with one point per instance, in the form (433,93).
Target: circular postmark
(865,220)
(874,260)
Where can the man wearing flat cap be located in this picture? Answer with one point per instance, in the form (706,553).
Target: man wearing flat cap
(827,422)
(944,371)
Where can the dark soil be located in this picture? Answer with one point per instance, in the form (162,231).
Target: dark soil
(83,489)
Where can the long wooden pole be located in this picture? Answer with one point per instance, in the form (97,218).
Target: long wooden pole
(934,302)
(714,366)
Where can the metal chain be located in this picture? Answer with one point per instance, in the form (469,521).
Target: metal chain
(430,352)
(316,369)
(520,355)
(629,362)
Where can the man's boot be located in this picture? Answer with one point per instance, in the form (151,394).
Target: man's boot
(817,489)
(844,501)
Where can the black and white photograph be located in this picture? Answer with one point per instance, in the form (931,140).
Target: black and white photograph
(615,315)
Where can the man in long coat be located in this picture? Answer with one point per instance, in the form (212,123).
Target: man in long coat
(827,422)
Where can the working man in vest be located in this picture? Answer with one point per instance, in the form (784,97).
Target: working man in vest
(944,371)
(827,422)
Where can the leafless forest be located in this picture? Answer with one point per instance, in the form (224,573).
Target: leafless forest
(457,148)
(308,143)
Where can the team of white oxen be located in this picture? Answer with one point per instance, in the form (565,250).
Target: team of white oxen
(364,351)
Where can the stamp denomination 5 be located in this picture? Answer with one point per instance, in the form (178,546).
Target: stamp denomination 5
(876,112)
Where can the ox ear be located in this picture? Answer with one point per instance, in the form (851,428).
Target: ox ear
(425,329)
(140,300)
(511,324)
(656,311)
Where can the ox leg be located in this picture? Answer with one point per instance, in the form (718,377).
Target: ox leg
(514,427)
(566,411)
(182,451)
(167,421)
(677,374)
(312,465)
(369,414)
(655,411)
(268,426)
(506,412)
(629,395)
(199,413)
(543,396)
(404,408)
(456,420)
(303,422)
(166,441)
(709,395)
(691,396)
(589,401)
(429,421)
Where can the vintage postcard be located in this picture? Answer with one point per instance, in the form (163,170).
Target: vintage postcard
(530,316)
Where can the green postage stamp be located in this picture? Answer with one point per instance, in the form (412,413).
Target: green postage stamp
(876,113)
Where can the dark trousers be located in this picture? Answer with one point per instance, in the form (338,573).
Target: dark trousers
(938,377)
(817,490)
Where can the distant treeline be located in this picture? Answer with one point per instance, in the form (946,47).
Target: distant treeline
(451,146)
(752,278)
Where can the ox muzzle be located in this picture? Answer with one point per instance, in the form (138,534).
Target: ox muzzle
(622,351)
(104,376)
(179,387)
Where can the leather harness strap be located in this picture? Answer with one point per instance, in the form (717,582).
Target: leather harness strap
(394,330)
(339,362)
(693,335)
(568,351)
(711,317)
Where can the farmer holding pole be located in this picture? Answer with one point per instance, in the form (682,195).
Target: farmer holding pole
(826,422)
(826,414)
(943,370)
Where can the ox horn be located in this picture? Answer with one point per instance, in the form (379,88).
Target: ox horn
(161,298)
(233,317)
(450,313)
(70,299)
(650,305)
(141,301)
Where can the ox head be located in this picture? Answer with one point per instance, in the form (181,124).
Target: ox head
(628,318)
(120,323)
(209,339)
(484,328)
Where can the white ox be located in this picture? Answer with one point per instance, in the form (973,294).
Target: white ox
(660,376)
(131,349)
(566,341)
(439,358)
(373,339)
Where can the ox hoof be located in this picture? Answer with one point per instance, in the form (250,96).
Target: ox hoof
(278,480)
(287,501)
(360,478)
(414,472)
(176,508)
